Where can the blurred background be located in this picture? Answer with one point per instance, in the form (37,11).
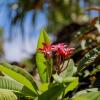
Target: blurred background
(22,20)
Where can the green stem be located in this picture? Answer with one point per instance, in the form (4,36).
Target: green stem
(49,69)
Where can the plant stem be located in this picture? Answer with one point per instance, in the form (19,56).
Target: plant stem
(66,66)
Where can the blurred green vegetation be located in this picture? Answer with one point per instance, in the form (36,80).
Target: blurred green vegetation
(59,13)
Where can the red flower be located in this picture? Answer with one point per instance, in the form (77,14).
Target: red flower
(68,52)
(58,46)
(46,50)
(62,50)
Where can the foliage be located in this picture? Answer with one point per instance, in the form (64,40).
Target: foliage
(65,73)
(7,95)
(40,59)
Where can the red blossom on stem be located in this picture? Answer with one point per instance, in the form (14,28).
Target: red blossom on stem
(46,50)
(66,52)
(58,46)
(60,49)
(63,50)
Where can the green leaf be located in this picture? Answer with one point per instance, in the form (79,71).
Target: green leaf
(40,59)
(88,96)
(72,85)
(85,91)
(52,93)
(58,78)
(69,82)
(70,70)
(95,70)
(10,84)
(89,58)
(19,75)
(66,99)
(43,87)
(7,95)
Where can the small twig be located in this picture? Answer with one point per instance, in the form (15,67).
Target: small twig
(66,66)
(62,65)
(93,8)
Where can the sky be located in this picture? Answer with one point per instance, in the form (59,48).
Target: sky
(17,50)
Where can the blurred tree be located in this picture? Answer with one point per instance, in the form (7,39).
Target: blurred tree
(1,45)
(59,12)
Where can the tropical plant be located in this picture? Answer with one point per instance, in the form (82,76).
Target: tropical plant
(60,77)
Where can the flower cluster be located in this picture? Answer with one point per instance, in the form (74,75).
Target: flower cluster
(60,50)
(47,48)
